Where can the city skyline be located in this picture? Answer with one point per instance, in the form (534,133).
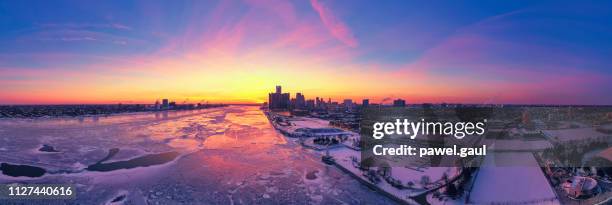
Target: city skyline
(531,52)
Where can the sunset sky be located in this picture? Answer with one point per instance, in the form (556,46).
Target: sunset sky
(553,52)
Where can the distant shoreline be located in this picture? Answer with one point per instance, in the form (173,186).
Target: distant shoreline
(260,104)
(115,104)
(91,110)
(80,110)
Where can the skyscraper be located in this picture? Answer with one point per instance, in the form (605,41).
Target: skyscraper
(365,102)
(165,103)
(347,103)
(399,103)
(157,106)
(310,104)
(300,101)
(278,100)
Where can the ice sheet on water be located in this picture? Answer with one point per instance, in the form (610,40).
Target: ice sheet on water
(234,144)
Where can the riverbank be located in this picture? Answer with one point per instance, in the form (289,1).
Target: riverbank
(88,110)
(402,184)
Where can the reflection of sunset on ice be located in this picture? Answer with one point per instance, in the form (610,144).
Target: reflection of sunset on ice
(227,155)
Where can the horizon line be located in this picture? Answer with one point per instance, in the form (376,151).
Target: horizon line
(259,104)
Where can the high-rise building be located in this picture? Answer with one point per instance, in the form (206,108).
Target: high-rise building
(157,106)
(300,101)
(278,100)
(278,89)
(310,104)
(292,104)
(399,103)
(347,103)
(320,103)
(365,102)
(165,103)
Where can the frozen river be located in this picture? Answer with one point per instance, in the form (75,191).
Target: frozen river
(228,155)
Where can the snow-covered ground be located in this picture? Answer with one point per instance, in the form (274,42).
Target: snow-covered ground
(518,184)
(407,175)
(577,135)
(509,175)
(517,145)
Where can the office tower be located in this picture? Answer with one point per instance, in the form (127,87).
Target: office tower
(278,100)
(399,103)
(165,103)
(347,103)
(365,102)
(300,101)
(310,104)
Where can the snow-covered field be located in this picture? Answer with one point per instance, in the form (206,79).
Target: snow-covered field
(494,184)
(512,185)
(226,155)
(407,175)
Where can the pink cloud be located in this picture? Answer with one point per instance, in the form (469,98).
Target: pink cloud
(283,9)
(337,28)
(220,34)
(304,36)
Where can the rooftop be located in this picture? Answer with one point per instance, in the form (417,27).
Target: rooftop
(525,184)
(579,134)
